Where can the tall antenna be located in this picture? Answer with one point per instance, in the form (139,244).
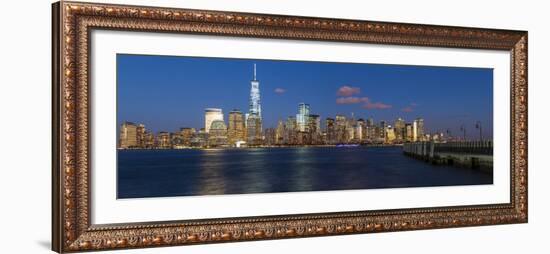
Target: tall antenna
(254,71)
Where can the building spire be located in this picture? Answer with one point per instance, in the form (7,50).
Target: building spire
(254,71)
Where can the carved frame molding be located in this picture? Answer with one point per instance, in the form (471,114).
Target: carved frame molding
(71,226)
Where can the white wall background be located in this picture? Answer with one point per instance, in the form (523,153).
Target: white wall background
(25,125)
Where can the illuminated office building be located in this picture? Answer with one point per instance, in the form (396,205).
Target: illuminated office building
(330,130)
(186,135)
(314,129)
(383,132)
(148,140)
(270,136)
(314,124)
(236,130)
(399,129)
(419,129)
(217,136)
(280,133)
(253,119)
(290,131)
(211,115)
(361,130)
(390,135)
(129,136)
(255,103)
(164,140)
(409,132)
(254,130)
(176,140)
(302,118)
(350,127)
(370,130)
(341,129)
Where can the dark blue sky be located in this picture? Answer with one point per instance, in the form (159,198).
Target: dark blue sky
(166,92)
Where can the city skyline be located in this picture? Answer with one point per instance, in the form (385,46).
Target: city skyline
(161,111)
(339,130)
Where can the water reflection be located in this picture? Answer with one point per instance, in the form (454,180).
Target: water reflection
(302,162)
(211,180)
(164,173)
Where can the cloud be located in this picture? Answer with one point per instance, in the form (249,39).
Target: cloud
(410,108)
(367,104)
(279,90)
(407,109)
(348,91)
(376,105)
(351,100)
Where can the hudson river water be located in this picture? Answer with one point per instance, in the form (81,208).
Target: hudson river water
(166,173)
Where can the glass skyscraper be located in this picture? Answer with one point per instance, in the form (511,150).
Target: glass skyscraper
(302,118)
(254,116)
(255,105)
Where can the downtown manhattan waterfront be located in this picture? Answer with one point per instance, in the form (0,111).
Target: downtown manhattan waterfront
(246,152)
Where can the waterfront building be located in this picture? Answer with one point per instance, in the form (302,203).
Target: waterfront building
(290,131)
(390,135)
(196,141)
(379,132)
(303,138)
(270,138)
(330,131)
(140,135)
(370,130)
(314,124)
(350,127)
(217,136)
(254,130)
(420,129)
(164,140)
(236,130)
(438,136)
(341,131)
(148,140)
(360,130)
(211,115)
(369,133)
(176,140)
(302,118)
(383,132)
(324,139)
(399,128)
(280,133)
(199,139)
(409,132)
(128,137)
(314,129)
(415,131)
(186,135)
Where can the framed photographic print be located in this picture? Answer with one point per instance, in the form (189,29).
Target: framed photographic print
(178,126)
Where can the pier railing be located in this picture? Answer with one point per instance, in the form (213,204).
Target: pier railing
(472,154)
(431,148)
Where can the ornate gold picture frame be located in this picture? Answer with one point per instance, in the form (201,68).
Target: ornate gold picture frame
(72,229)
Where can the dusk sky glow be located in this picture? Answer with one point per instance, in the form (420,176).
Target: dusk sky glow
(169,92)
